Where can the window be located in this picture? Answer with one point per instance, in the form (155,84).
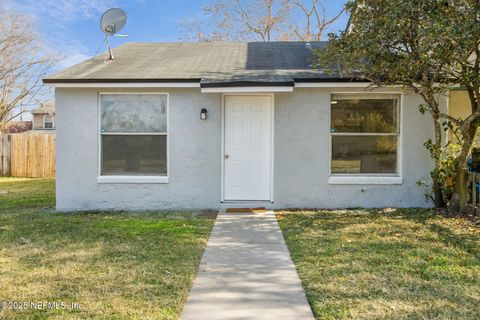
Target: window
(365,133)
(133,134)
(47,122)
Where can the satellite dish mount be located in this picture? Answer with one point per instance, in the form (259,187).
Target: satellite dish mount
(112,21)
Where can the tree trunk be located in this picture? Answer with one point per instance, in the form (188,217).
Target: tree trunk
(461,182)
(438,194)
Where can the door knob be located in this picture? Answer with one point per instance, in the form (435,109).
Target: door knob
(227,156)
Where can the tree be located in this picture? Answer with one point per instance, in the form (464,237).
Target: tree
(425,46)
(316,20)
(23,63)
(261,20)
(247,20)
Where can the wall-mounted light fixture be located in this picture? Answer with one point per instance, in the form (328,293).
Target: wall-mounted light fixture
(203,114)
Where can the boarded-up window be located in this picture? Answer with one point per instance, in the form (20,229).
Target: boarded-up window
(365,131)
(134,134)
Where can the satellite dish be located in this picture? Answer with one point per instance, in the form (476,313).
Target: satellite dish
(112,21)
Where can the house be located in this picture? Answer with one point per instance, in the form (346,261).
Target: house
(211,125)
(459,106)
(43,117)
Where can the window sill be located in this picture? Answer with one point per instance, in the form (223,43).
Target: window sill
(364,180)
(132,179)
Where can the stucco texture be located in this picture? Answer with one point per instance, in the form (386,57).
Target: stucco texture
(194,155)
(301,156)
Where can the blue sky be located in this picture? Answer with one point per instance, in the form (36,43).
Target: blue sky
(71,28)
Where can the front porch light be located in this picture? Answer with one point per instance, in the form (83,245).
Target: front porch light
(203,114)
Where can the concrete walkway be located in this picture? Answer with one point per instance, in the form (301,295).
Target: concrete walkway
(246,273)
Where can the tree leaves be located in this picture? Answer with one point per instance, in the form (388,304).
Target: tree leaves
(425,46)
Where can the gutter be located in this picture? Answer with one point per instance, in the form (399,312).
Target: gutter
(229,86)
(122,83)
(247,84)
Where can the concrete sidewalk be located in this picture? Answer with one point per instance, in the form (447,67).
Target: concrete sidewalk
(246,273)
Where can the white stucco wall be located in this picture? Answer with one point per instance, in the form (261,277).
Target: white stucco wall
(194,155)
(302,155)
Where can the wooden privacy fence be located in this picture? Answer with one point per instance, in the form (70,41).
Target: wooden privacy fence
(27,155)
(5,147)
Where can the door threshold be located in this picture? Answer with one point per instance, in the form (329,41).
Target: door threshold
(246,204)
(246,201)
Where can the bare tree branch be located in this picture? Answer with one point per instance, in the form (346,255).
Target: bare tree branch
(262,20)
(23,63)
(316,21)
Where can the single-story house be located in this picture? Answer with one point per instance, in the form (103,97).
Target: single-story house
(212,125)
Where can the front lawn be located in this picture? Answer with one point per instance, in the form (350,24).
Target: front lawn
(386,264)
(114,265)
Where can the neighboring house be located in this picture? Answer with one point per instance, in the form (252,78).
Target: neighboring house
(459,106)
(209,125)
(43,118)
(19,127)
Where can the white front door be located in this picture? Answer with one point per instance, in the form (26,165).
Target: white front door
(248,149)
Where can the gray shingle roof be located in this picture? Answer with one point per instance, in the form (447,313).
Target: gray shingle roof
(211,63)
(45,108)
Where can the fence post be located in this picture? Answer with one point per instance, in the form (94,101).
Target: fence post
(463,190)
(5,155)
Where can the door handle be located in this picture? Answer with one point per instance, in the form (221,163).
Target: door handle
(227,156)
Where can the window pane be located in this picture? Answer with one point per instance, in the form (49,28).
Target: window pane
(47,122)
(364,154)
(125,113)
(364,115)
(130,155)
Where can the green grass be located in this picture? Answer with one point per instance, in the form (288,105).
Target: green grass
(116,265)
(23,193)
(386,264)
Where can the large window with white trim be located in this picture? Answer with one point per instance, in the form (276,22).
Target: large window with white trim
(133,134)
(365,131)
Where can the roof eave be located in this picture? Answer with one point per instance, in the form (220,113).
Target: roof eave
(122,83)
(332,79)
(118,80)
(196,83)
(230,84)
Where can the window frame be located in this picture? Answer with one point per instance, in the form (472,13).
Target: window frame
(52,121)
(135,179)
(368,178)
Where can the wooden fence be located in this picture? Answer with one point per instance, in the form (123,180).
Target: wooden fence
(27,155)
(5,147)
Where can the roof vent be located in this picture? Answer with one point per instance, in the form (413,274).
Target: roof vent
(308,45)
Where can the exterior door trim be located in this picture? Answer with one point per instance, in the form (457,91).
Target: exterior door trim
(222,151)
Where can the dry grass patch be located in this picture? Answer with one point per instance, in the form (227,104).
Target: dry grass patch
(385,264)
(116,265)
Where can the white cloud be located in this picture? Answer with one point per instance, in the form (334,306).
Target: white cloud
(72,59)
(62,10)
(53,18)
(70,51)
